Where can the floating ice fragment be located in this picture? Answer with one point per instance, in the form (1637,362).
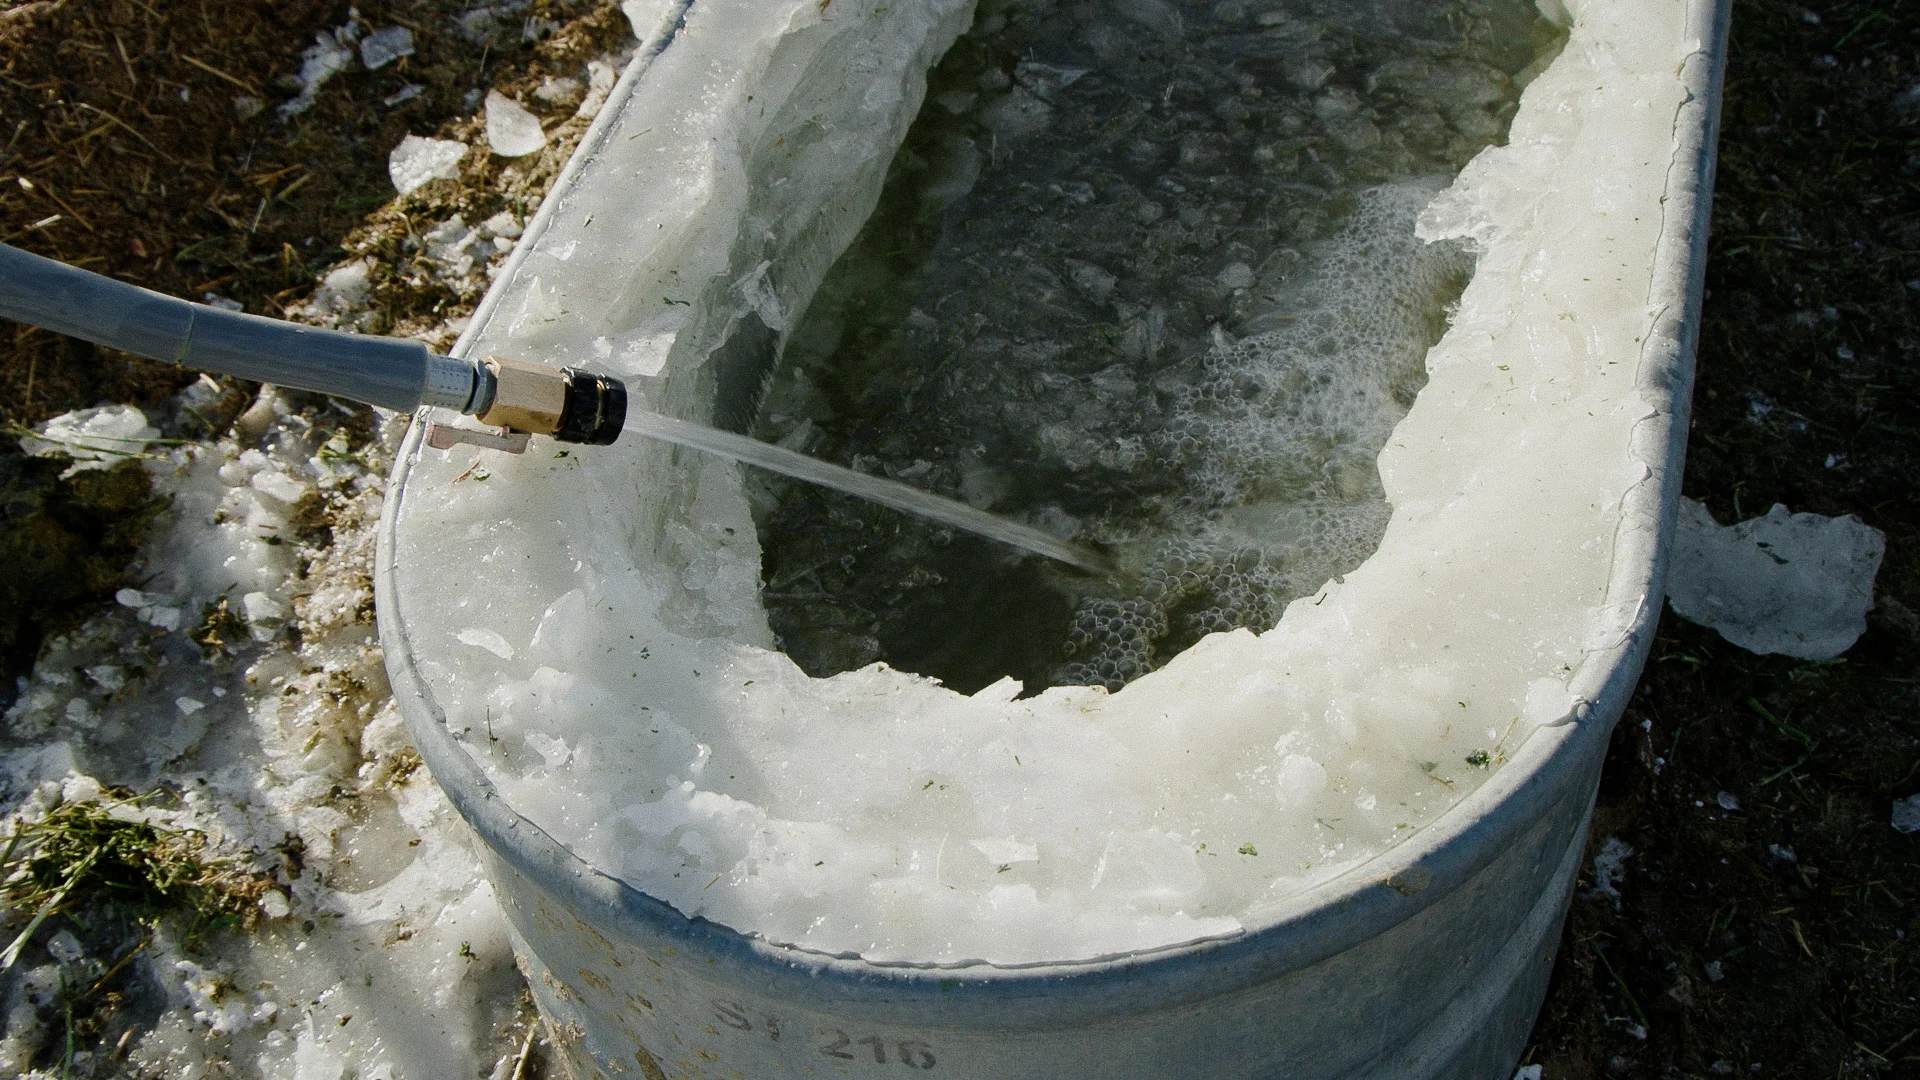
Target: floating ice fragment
(1715,972)
(94,438)
(1236,276)
(404,94)
(1795,584)
(274,903)
(224,303)
(246,107)
(385,45)
(1727,800)
(416,161)
(188,706)
(490,640)
(1530,1072)
(1906,814)
(512,131)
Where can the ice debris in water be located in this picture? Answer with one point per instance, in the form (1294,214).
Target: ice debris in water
(94,438)
(385,45)
(1154,321)
(1795,584)
(417,160)
(512,131)
(1530,1072)
(1906,814)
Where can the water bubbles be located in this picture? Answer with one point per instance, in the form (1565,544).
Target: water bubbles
(1179,304)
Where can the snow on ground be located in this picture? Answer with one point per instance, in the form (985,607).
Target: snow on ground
(381,953)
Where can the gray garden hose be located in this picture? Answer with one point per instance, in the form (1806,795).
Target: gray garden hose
(394,373)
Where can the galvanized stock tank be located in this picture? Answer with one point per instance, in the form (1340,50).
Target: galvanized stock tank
(1428,962)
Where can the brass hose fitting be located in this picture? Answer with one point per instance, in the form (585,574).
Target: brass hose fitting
(569,404)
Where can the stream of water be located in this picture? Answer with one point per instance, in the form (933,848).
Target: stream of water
(875,489)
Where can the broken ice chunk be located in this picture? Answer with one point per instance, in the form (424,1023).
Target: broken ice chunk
(502,224)
(260,607)
(65,948)
(1795,584)
(512,131)
(647,17)
(1609,870)
(1906,814)
(490,640)
(1236,276)
(600,79)
(560,91)
(278,485)
(94,438)
(1301,780)
(416,161)
(385,45)
(1008,851)
(330,54)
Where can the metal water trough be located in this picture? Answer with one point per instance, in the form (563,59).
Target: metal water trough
(1428,962)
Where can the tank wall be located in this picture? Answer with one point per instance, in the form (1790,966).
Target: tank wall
(1449,992)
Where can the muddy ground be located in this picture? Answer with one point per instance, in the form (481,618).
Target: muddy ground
(1776,939)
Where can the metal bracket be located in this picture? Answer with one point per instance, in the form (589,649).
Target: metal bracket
(447,436)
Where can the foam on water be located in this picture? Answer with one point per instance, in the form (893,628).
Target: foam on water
(1165,296)
(640,713)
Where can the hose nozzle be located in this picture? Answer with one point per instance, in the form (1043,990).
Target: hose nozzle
(567,403)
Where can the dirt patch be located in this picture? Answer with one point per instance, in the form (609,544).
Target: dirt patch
(148,142)
(1771,931)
